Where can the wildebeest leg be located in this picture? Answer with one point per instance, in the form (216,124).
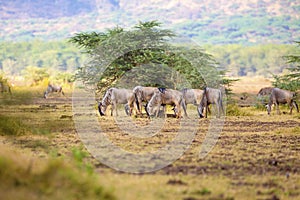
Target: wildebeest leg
(147,110)
(183,103)
(222,108)
(135,108)
(157,111)
(277,108)
(115,107)
(139,105)
(199,112)
(130,109)
(165,110)
(131,102)
(127,109)
(112,109)
(291,107)
(218,109)
(179,111)
(296,106)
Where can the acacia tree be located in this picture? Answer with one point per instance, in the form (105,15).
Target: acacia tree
(116,52)
(290,81)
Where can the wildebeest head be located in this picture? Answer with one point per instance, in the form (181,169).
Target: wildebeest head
(100,108)
(203,103)
(200,110)
(154,104)
(106,101)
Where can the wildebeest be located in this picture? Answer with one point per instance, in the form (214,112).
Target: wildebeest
(281,96)
(115,96)
(211,96)
(143,94)
(4,87)
(53,88)
(165,97)
(264,91)
(191,96)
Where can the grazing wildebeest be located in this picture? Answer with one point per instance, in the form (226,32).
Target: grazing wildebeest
(264,91)
(191,96)
(4,87)
(115,96)
(53,88)
(281,96)
(165,97)
(143,94)
(211,96)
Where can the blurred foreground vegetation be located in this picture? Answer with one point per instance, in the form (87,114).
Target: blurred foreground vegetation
(22,177)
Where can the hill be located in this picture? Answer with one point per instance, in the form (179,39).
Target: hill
(215,22)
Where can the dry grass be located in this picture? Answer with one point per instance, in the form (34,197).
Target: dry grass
(256,156)
(250,84)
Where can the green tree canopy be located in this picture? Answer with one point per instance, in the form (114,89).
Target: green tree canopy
(145,55)
(290,81)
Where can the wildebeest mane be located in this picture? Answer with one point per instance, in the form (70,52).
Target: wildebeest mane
(162,90)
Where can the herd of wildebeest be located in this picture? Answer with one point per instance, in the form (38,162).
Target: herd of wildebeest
(153,98)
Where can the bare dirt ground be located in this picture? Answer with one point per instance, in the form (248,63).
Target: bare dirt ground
(256,156)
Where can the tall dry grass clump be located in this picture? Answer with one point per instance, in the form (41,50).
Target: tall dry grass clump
(25,178)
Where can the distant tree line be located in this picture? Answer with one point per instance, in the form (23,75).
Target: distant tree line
(54,56)
(61,56)
(264,60)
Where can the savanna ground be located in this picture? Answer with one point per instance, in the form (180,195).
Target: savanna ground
(42,156)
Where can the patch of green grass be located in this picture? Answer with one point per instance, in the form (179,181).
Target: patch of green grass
(297,116)
(40,131)
(12,126)
(16,126)
(235,110)
(34,144)
(79,156)
(18,96)
(203,191)
(296,130)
